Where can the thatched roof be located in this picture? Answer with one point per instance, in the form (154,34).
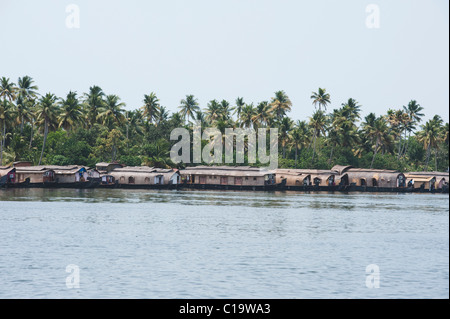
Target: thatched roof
(437,174)
(218,172)
(67,169)
(5,170)
(305,171)
(340,169)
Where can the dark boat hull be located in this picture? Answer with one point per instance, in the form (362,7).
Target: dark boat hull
(234,187)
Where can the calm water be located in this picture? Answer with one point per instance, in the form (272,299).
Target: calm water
(210,244)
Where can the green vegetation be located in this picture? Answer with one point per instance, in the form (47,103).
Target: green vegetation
(95,127)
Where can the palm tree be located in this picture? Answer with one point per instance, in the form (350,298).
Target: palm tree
(280,104)
(26,94)
(161,116)
(112,112)
(151,106)
(134,123)
(247,116)
(285,128)
(300,137)
(212,111)
(225,110)
(189,107)
(23,111)
(413,110)
(342,129)
(93,102)
(262,114)
(430,137)
(321,98)
(71,112)
(239,105)
(7,115)
(376,132)
(47,114)
(7,89)
(318,123)
(26,89)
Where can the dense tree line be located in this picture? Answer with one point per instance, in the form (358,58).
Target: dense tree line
(93,127)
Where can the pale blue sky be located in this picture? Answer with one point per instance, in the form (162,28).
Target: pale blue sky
(225,49)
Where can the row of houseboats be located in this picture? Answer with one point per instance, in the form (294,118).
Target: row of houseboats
(114,175)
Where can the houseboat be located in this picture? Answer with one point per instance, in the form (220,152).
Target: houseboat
(228,178)
(56,176)
(428,181)
(306,179)
(370,180)
(7,176)
(141,177)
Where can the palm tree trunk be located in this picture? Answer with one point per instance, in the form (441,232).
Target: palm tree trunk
(1,148)
(374,154)
(407,145)
(45,140)
(428,156)
(314,149)
(399,146)
(296,152)
(21,125)
(435,158)
(31,134)
(331,155)
(403,146)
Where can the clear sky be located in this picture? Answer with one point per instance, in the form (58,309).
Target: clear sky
(222,49)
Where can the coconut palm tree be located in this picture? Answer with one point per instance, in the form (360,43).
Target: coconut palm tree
(151,106)
(7,89)
(212,111)
(189,107)
(430,136)
(112,113)
(413,110)
(377,133)
(71,115)
(94,100)
(161,116)
(23,112)
(47,114)
(247,116)
(300,137)
(239,105)
(225,110)
(7,116)
(26,88)
(262,114)
(134,120)
(321,98)
(285,127)
(318,123)
(280,104)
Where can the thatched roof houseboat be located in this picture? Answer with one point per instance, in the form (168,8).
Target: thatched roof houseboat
(366,177)
(428,180)
(143,175)
(305,177)
(104,168)
(61,175)
(228,177)
(7,175)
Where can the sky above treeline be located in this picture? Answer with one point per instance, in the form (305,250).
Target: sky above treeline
(381,53)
